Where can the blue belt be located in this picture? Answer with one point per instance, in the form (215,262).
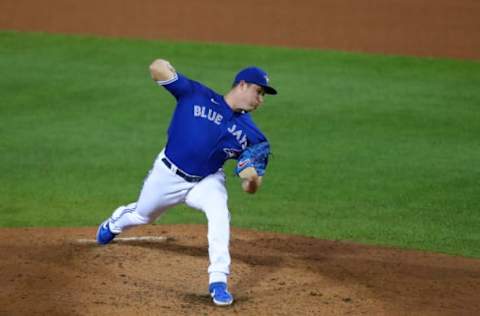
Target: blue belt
(180,173)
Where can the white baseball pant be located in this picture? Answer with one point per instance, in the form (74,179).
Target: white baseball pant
(163,189)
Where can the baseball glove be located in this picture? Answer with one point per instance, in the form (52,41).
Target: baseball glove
(255,156)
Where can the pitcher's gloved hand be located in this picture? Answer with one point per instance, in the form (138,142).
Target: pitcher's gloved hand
(255,156)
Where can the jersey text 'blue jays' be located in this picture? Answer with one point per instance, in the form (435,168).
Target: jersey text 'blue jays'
(204,131)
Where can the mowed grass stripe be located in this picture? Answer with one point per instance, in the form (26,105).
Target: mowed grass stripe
(376,149)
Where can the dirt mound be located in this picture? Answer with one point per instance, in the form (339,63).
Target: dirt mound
(63,272)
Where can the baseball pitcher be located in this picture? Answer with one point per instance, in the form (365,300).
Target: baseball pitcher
(206,130)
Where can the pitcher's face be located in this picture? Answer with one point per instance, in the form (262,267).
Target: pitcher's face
(252,96)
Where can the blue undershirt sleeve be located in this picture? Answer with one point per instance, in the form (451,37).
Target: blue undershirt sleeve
(179,86)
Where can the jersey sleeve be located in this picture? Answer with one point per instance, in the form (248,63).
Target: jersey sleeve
(179,86)
(255,135)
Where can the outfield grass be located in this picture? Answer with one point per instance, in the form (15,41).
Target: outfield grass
(375,149)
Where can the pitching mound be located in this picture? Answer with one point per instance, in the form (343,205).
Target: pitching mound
(63,272)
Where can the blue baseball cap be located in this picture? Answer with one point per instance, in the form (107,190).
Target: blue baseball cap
(257,76)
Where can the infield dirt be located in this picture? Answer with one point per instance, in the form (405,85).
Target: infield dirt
(53,272)
(447,28)
(58,272)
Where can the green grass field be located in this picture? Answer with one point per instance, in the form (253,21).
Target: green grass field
(375,149)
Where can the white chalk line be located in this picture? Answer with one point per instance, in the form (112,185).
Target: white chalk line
(127,239)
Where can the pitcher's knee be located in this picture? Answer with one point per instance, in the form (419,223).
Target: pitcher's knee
(217,212)
(140,219)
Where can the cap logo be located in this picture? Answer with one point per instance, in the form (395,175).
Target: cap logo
(266,78)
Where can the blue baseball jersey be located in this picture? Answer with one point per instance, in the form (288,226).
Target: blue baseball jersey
(204,131)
